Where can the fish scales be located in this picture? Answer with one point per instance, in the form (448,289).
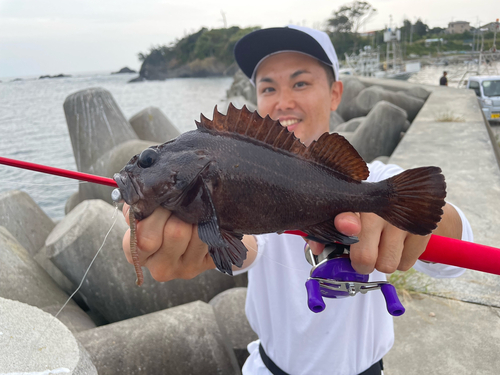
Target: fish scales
(244,174)
(275,193)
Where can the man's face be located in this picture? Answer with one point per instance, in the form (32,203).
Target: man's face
(293,88)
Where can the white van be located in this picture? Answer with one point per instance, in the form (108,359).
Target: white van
(487,89)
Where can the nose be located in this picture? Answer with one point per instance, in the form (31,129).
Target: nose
(286,100)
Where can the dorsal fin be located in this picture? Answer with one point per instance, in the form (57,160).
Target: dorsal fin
(330,150)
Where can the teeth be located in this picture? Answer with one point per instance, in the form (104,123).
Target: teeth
(289,122)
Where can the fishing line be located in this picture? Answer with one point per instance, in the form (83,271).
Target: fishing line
(273,260)
(50,323)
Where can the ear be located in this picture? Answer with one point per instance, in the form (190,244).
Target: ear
(336,94)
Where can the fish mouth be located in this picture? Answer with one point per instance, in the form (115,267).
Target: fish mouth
(128,189)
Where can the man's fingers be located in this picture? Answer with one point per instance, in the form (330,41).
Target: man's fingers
(348,223)
(316,247)
(364,253)
(196,256)
(414,247)
(390,249)
(150,230)
(126,246)
(164,264)
(125,210)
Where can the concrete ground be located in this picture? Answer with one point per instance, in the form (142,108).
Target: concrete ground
(455,328)
(442,336)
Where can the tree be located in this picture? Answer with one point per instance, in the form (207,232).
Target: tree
(349,18)
(420,28)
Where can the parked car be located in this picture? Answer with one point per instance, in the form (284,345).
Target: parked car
(487,89)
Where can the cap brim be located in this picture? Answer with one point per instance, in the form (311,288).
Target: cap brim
(254,47)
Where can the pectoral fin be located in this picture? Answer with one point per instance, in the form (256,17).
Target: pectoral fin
(224,247)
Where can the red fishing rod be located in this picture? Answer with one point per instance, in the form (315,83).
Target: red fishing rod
(439,249)
(59,172)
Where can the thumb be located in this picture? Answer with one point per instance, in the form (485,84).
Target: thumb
(348,223)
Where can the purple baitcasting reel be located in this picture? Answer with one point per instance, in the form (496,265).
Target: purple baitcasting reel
(332,276)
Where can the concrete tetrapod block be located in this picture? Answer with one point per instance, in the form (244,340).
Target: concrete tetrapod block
(335,120)
(181,340)
(238,102)
(95,124)
(229,307)
(34,342)
(25,220)
(369,97)
(107,165)
(418,92)
(109,287)
(242,86)
(151,124)
(348,107)
(22,279)
(347,135)
(351,125)
(446,337)
(380,132)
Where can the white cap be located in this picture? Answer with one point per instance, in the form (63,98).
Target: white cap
(253,48)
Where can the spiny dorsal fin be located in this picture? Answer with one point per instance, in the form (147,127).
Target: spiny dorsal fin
(330,150)
(334,151)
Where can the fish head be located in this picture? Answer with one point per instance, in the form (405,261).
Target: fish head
(150,179)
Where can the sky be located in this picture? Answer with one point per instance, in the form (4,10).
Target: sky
(39,37)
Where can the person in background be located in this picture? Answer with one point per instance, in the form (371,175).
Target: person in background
(443,81)
(295,72)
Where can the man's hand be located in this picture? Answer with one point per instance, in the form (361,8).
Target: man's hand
(168,247)
(384,247)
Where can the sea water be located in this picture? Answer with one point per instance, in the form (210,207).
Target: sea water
(33,125)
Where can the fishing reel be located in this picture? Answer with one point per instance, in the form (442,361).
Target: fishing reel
(332,276)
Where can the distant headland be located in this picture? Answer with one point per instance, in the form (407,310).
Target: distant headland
(206,53)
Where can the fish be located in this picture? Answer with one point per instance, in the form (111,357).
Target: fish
(242,173)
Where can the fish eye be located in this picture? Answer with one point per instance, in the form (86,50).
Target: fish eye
(147,158)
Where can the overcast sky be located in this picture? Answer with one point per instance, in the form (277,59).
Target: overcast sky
(70,36)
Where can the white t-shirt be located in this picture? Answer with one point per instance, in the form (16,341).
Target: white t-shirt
(348,337)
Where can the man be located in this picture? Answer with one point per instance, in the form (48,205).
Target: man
(443,81)
(295,71)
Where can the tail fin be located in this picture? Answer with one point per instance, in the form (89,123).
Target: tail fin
(416,198)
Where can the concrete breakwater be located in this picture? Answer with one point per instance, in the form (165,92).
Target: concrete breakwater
(198,326)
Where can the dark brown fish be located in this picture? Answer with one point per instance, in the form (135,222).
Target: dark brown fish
(244,174)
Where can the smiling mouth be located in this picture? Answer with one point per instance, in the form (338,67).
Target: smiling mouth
(290,122)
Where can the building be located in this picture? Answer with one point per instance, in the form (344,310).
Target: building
(458,27)
(491,26)
(428,42)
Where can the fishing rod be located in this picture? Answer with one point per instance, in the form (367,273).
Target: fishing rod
(59,172)
(439,249)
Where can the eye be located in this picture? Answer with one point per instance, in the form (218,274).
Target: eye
(267,90)
(147,158)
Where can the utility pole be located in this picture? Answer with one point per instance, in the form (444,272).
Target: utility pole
(411,32)
(494,48)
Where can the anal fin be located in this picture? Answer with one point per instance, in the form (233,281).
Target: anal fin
(327,233)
